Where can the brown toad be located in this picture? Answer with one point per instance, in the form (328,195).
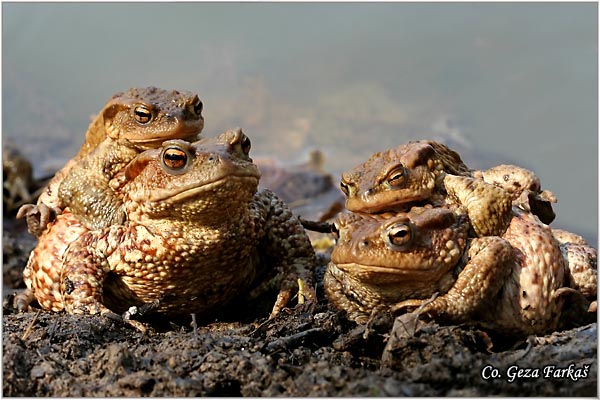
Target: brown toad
(131,121)
(198,234)
(378,262)
(512,284)
(425,172)
(409,173)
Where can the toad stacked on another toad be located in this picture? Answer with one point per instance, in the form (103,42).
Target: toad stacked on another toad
(515,284)
(429,172)
(198,234)
(132,121)
(519,268)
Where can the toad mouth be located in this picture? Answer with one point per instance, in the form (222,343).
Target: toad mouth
(194,190)
(190,135)
(351,267)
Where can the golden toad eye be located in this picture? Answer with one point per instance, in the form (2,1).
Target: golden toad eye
(198,107)
(195,108)
(345,188)
(398,235)
(142,114)
(174,159)
(335,230)
(397,176)
(246,144)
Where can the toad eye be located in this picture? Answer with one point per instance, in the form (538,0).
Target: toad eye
(142,114)
(345,188)
(397,176)
(246,144)
(197,107)
(174,159)
(398,235)
(335,230)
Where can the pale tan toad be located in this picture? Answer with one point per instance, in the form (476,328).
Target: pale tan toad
(514,284)
(198,234)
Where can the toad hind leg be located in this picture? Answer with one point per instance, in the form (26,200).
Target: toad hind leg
(490,261)
(582,264)
(48,206)
(81,279)
(23,300)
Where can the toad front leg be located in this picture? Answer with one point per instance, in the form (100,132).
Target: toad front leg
(490,262)
(87,189)
(524,188)
(488,206)
(48,206)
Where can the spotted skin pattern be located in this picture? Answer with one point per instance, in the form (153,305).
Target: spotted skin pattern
(195,239)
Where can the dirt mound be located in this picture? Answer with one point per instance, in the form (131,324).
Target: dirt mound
(298,354)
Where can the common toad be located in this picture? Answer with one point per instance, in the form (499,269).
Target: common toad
(395,178)
(379,261)
(513,284)
(425,172)
(198,234)
(131,121)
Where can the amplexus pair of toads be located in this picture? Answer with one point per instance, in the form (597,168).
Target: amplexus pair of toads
(424,231)
(148,213)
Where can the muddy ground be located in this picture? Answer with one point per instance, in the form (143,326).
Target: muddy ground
(310,351)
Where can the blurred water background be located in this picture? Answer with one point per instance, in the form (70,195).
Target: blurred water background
(499,82)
